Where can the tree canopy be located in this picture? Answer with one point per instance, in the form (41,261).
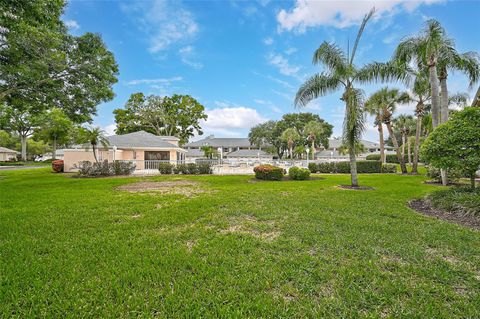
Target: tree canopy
(178,115)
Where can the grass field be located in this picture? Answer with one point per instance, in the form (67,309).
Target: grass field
(230,247)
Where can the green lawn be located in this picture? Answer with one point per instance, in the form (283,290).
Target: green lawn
(81,248)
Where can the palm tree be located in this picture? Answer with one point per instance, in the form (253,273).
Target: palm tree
(313,129)
(376,109)
(290,135)
(342,73)
(95,136)
(405,124)
(387,99)
(359,149)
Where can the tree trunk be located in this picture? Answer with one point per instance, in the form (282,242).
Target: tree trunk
(54,149)
(23,142)
(403,144)
(382,143)
(397,149)
(291,152)
(417,145)
(409,151)
(472,180)
(353,165)
(435,94)
(444,101)
(94,153)
(313,150)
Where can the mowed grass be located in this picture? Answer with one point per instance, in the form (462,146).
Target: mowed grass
(73,247)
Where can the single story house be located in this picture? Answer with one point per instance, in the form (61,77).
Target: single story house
(7,154)
(335,143)
(146,150)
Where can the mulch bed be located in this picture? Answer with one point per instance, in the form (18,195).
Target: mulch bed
(356,188)
(423,207)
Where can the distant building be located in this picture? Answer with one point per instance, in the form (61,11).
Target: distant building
(7,154)
(335,143)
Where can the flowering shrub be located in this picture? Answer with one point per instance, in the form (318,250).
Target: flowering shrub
(268,172)
(298,173)
(57,166)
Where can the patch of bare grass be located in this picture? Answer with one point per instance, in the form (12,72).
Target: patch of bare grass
(252,226)
(174,187)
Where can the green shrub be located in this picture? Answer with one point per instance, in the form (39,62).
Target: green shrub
(452,175)
(89,169)
(123,168)
(268,172)
(343,167)
(165,168)
(313,167)
(192,168)
(12,163)
(457,200)
(298,173)
(389,168)
(180,169)
(389,158)
(369,167)
(204,168)
(326,167)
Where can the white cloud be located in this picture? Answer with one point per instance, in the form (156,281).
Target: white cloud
(166,81)
(187,55)
(268,41)
(268,104)
(110,129)
(164,22)
(340,14)
(228,117)
(282,64)
(313,106)
(72,24)
(291,51)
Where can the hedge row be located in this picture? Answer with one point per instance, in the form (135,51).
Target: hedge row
(105,168)
(344,167)
(389,158)
(185,169)
(298,173)
(269,172)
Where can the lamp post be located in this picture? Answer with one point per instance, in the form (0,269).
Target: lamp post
(308,151)
(114,151)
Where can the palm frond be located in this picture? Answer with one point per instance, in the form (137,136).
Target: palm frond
(316,86)
(469,63)
(359,34)
(331,56)
(354,122)
(385,72)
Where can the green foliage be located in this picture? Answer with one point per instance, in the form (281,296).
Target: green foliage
(456,143)
(55,127)
(105,168)
(453,175)
(389,168)
(389,158)
(298,173)
(312,167)
(209,152)
(268,172)
(180,169)
(192,168)
(457,200)
(204,168)
(178,115)
(165,168)
(344,167)
(95,136)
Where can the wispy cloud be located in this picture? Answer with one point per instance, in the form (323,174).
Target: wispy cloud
(187,55)
(268,104)
(164,22)
(72,24)
(268,41)
(155,81)
(339,14)
(282,64)
(291,51)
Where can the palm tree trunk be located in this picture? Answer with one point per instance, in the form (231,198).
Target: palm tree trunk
(472,180)
(94,153)
(23,142)
(409,151)
(397,149)
(353,164)
(54,148)
(443,118)
(291,152)
(313,150)
(435,94)
(382,143)
(417,145)
(403,144)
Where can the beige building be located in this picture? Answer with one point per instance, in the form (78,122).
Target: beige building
(7,154)
(144,149)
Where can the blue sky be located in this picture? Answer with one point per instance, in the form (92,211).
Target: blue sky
(244,60)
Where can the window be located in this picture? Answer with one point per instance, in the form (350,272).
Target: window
(157,156)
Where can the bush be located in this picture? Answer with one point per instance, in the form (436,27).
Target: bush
(268,172)
(312,167)
(57,166)
(326,167)
(389,158)
(389,168)
(452,174)
(343,167)
(204,168)
(457,200)
(12,163)
(89,169)
(165,168)
(298,173)
(192,168)
(180,169)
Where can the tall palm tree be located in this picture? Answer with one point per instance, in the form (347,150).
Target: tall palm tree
(376,109)
(95,136)
(421,95)
(313,129)
(387,99)
(290,135)
(341,72)
(405,124)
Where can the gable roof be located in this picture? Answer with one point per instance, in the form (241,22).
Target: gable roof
(140,139)
(222,141)
(7,150)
